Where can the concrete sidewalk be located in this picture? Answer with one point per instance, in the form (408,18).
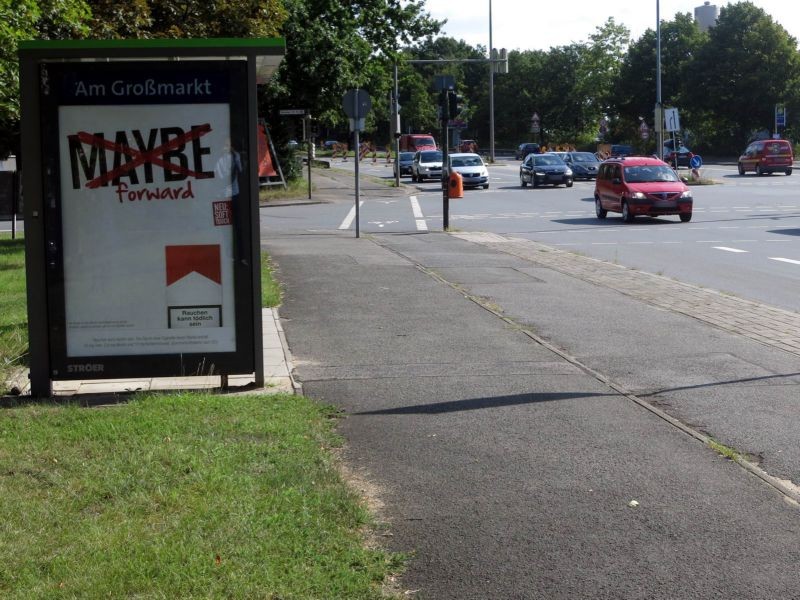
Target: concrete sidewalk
(536,424)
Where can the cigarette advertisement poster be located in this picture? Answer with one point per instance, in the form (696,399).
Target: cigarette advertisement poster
(149,177)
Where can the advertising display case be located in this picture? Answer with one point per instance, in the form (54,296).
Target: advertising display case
(142,242)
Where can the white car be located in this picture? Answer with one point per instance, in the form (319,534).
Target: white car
(473,172)
(427,165)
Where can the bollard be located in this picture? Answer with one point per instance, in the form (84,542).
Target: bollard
(456,185)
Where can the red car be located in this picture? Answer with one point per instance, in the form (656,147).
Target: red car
(767,156)
(639,185)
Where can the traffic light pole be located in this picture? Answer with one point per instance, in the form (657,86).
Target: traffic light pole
(444,105)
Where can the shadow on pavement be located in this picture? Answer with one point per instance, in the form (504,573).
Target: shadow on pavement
(481,403)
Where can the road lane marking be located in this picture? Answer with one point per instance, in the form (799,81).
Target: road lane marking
(348,220)
(786,260)
(726,249)
(422,225)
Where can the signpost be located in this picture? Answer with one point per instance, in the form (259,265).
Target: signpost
(356,105)
(141,212)
(780,118)
(301,112)
(644,131)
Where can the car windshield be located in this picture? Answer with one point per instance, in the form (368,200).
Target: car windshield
(424,141)
(406,156)
(649,173)
(430,157)
(584,157)
(466,161)
(547,159)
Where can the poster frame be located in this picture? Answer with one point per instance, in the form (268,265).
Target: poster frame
(245,61)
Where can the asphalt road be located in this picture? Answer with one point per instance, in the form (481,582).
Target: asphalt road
(744,238)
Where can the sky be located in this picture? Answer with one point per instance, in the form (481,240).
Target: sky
(539,25)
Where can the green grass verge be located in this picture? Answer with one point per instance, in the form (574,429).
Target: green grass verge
(270,288)
(181,496)
(13,307)
(174,496)
(296,188)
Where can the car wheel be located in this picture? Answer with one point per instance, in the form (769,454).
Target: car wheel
(627,215)
(568,183)
(685,217)
(486,187)
(741,169)
(599,210)
(759,172)
(788,172)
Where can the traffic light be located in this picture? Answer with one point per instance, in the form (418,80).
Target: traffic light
(443,106)
(455,103)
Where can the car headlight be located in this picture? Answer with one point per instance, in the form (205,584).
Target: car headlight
(568,171)
(539,173)
(687,195)
(638,196)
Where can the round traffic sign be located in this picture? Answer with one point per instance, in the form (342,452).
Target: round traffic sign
(696,161)
(356,103)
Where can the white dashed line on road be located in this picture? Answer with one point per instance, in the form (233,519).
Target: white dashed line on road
(422,225)
(348,220)
(726,249)
(786,260)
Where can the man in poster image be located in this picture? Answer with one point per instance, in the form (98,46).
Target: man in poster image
(227,171)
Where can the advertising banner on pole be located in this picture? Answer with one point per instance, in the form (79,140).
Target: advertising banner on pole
(147,186)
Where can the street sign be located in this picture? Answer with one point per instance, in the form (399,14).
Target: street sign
(780,116)
(673,122)
(356,103)
(535,127)
(444,82)
(285,112)
(696,161)
(644,130)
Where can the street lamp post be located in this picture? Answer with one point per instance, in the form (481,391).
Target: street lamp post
(659,119)
(491,89)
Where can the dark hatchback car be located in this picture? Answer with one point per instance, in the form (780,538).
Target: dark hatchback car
(404,160)
(584,165)
(527,148)
(682,157)
(544,169)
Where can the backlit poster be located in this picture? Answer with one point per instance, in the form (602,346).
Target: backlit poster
(150,175)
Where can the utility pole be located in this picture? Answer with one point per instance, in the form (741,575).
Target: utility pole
(491,88)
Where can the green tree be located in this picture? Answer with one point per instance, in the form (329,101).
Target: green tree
(420,111)
(25,20)
(569,87)
(112,19)
(749,64)
(681,40)
(333,46)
